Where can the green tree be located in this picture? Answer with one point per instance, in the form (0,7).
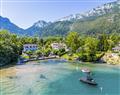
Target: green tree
(89,50)
(9,49)
(73,41)
(103,42)
(46,51)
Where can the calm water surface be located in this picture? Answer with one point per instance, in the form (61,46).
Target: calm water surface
(58,77)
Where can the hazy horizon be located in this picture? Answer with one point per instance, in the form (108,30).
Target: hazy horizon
(25,13)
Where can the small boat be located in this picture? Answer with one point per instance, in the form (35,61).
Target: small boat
(85,70)
(88,81)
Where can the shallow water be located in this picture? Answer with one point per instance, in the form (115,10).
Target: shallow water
(58,77)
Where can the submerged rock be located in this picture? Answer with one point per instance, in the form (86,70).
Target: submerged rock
(43,76)
(30,91)
(12,77)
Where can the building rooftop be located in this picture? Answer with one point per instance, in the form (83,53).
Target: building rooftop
(116,48)
(30,45)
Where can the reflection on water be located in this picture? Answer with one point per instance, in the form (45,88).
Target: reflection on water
(57,77)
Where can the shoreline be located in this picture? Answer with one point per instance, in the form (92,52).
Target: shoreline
(73,62)
(36,59)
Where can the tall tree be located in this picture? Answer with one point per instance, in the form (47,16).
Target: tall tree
(73,41)
(103,42)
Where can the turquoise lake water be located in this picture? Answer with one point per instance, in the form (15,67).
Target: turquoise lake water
(58,77)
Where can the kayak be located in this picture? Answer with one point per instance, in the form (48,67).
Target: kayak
(90,82)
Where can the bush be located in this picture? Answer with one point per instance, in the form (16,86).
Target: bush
(47,52)
(88,57)
(55,52)
(38,53)
(61,52)
(24,56)
(29,53)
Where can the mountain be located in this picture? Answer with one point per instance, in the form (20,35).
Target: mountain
(106,24)
(36,28)
(5,23)
(59,28)
(108,8)
(105,18)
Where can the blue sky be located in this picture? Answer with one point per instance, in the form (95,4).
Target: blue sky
(26,12)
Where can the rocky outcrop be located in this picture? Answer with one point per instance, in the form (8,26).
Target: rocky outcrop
(111,58)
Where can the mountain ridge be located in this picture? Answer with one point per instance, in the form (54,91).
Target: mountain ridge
(5,23)
(100,10)
(64,25)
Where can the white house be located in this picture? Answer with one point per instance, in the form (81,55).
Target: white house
(58,46)
(31,47)
(117,48)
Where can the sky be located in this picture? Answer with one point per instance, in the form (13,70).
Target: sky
(24,13)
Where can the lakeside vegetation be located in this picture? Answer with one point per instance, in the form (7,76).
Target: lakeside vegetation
(84,48)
